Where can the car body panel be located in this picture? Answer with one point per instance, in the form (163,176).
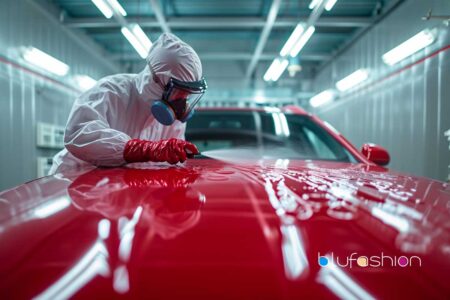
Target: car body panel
(215,229)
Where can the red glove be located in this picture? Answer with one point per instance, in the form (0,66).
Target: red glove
(171,150)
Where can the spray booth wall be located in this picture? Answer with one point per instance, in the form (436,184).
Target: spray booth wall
(26,97)
(407,112)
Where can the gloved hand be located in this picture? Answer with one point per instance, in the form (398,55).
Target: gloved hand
(171,150)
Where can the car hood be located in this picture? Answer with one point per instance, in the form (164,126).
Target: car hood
(257,229)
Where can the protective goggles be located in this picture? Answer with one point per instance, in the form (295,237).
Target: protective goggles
(178,100)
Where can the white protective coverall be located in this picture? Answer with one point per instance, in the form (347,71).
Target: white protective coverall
(117,109)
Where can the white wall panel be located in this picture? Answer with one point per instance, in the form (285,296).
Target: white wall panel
(26,99)
(407,113)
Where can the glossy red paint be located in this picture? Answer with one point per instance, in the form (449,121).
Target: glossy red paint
(376,154)
(210,229)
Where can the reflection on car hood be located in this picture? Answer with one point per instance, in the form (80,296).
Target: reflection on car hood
(211,229)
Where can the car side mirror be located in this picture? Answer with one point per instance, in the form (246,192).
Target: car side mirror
(376,154)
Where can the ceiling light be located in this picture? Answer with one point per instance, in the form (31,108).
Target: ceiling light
(314,3)
(140,49)
(275,64)
(277,73)
(292,39)
(117,7)
(259,97)
(276,69)
(321,98)
(409,47)
(302,41)
(141,36)
(84,82)
(44,61)
(330,4)
(104,8)
(352,80)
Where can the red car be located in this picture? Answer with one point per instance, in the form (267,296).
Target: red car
(289,209)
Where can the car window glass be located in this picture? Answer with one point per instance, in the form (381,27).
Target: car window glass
(218,120)
(278,135)
(320,148)
(315,140)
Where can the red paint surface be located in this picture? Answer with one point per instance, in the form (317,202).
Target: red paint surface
(211,230)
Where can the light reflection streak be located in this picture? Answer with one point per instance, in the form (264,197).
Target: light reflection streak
(340,283)
(93,263)
(126,230)
(121,281)
(284,125)
(103,229)
(282,163)
(273,198)
(281,124)
(395,221)
(277,123)
(293,249)
(51,207)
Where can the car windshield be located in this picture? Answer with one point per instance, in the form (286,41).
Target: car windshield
(272,134)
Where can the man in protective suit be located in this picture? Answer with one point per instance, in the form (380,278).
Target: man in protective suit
(141,117)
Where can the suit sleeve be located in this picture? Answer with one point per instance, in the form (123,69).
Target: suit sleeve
(88,134)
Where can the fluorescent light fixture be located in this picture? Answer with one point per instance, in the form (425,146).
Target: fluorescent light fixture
(140,49)
(259,97)
(84,82)
(292,39)
(330,4)
(302,41)
(321,98)
(104,8)
(275,64)
(141,36)
(276,69)
(44,61)
(352,80)
(138,39)
(277,73)
(117,7)
(409,47)
(314,3)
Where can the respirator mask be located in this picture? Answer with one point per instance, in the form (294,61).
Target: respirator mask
(178,100)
